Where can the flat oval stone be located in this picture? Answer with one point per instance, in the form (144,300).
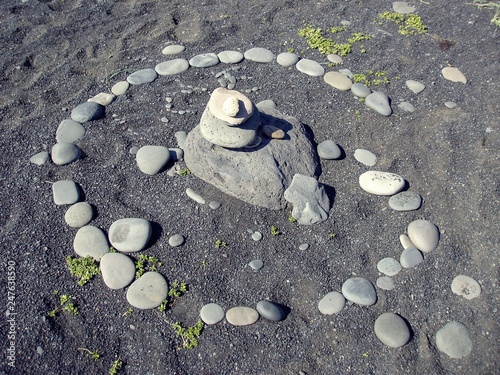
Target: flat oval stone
(405,201)
(230,57)
(40,158)
(69,131)
(360,90)
(256,264)
(287,59)
(424,235)
(117,270)
(359,290)
(338,80)
(148,291)
(87,112)
(64,153)
(204,60)
(453,74)
(241,316)
(392,330)
(171,67)
(450,105)
(415,86)
(214,205)
(103,98)
(310,67)
(385,283)
(402,7)
(142,76)
(273,132)
(173,49)
(79,214)
(365,157)
(406,107)
(271,311)
(466,287)
(120,88)
(129,234)
(454,340)
(379,102)
(329,150)
(258,54)
(334,58)
(211,313)
(65,192)
(381,183)
(91,241)
(410,257)
(176,240)
(152,159)
(389,266)
(304,246)
(195,196)
(266,104)
(331,303)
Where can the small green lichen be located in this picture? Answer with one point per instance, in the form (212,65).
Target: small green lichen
(189,335)
(409,24)
(275,231)
(146,263)
(94,354)
(219,244)
(291,219)
(83,268)
(65,305)
(184,171)
(116,366)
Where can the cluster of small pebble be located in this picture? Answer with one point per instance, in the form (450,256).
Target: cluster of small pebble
(132,234)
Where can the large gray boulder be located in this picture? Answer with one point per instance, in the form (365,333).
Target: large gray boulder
(258,175)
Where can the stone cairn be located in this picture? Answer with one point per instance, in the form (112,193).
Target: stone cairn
(257,155)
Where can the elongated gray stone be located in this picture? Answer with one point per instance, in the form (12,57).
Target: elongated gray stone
(328,149)
(65,192)
(242,316)
(120,88)
(204,60)
(258,54)
(392,330)
(271,311)
(91,241)
(117,270)
(142,76)
(65,153)
(310,67)
(173,49)
(310,202)
(87,112)
(405,201)
(148,292)
(172,67)
(360,90)
(69,131)
(379,102)
(130,234)
(338,80)
(365,157)
(230,57)
(359,290)
(381,183)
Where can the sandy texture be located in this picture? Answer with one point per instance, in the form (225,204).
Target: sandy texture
(57,54)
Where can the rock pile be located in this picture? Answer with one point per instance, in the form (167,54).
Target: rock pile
(249,153)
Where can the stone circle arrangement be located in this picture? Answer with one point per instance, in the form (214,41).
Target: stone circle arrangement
(241,148)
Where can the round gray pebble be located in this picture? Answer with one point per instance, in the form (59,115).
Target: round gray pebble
(91,241)
(450,105)
(271,311)
(78,215)
(130,234)
(40,158)
(256,236)
(389,266)
(214,205)
(454,340)
(405,201)
(360,90)
(230,57)
(256,264)
(65,153)
(204,60)
(142,76)
(69,131)
(359,290)
(260,55)
(304,246)
(392,330)
(406,107)
(365,157)
(331,303)
(411,257)
(176,240)
(212,313)
(329,150)
(385,283)
(117,270)
(148,291)
(379,102)
(287,59)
